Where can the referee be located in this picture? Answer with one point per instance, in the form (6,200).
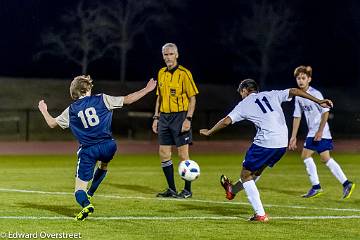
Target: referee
(175,105)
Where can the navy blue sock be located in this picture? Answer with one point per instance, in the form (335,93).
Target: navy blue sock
(168,170)
(82,198)
(345,183)
(99,175)
(316,186)
(187,186)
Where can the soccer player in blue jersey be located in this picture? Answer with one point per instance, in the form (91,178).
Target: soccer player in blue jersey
(318,138)
(264,110)
(89,118)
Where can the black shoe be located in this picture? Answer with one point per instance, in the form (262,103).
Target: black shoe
(313,193)
(185,194)
(168,193)
(348,189)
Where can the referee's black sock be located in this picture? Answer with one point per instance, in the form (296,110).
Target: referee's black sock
(187,185)
(168,170)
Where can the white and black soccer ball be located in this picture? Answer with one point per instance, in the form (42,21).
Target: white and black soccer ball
(189,170)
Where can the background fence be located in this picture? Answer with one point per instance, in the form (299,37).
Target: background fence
(135,124)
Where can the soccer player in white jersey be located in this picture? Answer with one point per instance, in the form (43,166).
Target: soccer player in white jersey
(89,117)
(318,138)
(264,110)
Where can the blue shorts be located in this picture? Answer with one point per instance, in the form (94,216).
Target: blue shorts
(88,156)
(257,157)
(318,146)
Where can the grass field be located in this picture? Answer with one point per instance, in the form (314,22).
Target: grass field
(36,196)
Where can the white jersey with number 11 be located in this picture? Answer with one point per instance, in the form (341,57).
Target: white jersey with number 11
(264,110)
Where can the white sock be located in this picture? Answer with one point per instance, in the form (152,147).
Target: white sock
(312,171)
(253,196)
(336,170)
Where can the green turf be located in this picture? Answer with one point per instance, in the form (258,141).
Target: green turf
(133,181)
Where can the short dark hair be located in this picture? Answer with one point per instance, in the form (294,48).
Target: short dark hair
(249,84)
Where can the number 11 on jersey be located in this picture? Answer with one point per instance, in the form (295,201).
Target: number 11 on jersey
(266,101)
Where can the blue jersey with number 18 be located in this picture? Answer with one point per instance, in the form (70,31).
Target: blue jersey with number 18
(89,118)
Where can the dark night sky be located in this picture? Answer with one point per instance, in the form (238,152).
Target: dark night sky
(325,37)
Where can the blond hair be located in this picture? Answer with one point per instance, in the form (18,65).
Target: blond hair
(303,69)
(80,85)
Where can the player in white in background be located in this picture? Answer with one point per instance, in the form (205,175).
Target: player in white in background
(318,138)
(264,110)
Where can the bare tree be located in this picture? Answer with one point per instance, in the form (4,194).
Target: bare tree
(259,37)
(83,38)
(126,19)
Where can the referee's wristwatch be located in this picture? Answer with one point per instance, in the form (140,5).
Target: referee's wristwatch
(156,117)
(189,118)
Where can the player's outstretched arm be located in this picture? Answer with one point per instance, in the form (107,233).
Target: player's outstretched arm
(133,97)
(48,118)
(223,123)
(325,103)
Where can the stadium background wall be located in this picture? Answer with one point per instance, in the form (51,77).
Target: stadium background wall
(20,119)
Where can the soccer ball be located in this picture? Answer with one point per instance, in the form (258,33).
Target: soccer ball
(189,170)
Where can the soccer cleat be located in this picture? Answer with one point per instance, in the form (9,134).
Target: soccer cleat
(258,218)
(168,193)
(226,184)
(313,193)
(185,194)
(348,189)
(85,212)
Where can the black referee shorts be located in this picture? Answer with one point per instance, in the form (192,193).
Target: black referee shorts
(169,129)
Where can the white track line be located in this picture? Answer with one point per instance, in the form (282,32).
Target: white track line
(186,200)
(155,218)
(317,217)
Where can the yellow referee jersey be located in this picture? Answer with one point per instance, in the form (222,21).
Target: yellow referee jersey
(175,87)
